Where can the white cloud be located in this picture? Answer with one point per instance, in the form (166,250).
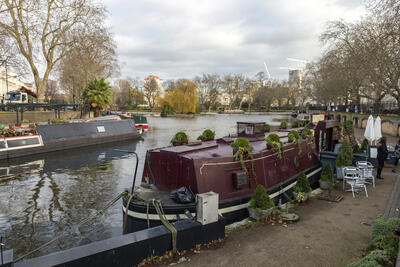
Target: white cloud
(184,38)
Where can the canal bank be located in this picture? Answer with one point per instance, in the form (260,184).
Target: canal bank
(328,234)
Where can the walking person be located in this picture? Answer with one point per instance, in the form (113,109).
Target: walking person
(396,155)
(382,155)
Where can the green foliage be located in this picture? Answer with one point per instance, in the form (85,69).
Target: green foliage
(98,94)
(207,135)
(283,125)
(327,174)
(296,124)
(308,135)
(58,121)
(294,137)
(302,184)
(240,142)
(274,141)
(180,136)
(261,199)
(243,150)
(166,109)
(267,128)
(345,156)
(356,149)
(364,145)
(338,117)
(384,245)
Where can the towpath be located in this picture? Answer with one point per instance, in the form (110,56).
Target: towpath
(328,234)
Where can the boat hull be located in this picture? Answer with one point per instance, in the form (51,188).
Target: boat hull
(141,216)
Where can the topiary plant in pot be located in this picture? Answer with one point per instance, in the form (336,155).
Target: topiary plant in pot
(260,205)
(207,135)
(180,138)
(267,128)
(294,138)
(327,179)
(344,158)
(302,189)
(283,125)
(242,150)
(308,135)
(274,143)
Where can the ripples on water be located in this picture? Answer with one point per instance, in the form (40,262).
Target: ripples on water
(51,193)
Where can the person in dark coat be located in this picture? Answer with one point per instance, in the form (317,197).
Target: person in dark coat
(382,155)
(396,156)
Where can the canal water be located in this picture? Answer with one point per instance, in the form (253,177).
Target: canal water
(49,194)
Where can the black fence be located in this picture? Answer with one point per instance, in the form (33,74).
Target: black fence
(382,108)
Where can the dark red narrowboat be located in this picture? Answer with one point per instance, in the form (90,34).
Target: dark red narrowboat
(210,166)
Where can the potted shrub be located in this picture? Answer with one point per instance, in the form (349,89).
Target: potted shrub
(267,128)
(294,138)
(302,189)
(344,158)
(180,138)
(309,136)
(364,145)
(242,150)
(260,205)
(274,143)
(283,125)
(207,135)
(327,180)
(296,124)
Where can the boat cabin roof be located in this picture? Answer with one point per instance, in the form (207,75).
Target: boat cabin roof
(219,148)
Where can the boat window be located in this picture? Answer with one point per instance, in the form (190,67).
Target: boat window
(259,128)
(245,129)
(23,142)
(101,129)
(2,144)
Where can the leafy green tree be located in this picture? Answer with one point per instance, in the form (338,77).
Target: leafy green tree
(98,95)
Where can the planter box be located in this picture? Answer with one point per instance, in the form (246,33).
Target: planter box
(203,139)
(179,143)
(325,185)
(259,214)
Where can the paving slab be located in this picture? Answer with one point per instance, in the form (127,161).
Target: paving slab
(328,233)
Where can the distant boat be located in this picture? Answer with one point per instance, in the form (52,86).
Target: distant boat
(26,141)
(231,111)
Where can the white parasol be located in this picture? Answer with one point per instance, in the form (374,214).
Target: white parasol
(369,130)
(377,129)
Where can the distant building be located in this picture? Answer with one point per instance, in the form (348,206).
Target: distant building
(295,78)
(10,82)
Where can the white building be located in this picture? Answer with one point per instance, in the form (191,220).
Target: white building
(9,82)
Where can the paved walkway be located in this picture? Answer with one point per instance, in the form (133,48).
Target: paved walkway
(328,234)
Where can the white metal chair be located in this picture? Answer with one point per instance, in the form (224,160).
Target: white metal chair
(366,168)
(352,178)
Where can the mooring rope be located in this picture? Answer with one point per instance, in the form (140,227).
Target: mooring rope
(233,162)
(164,220)
(110,204)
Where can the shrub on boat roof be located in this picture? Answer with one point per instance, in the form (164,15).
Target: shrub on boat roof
(261,199)
(207,135)
(240,142)
(267,128)
(274,141)
(295,124)
(302,184)
(283,125)
(180,136)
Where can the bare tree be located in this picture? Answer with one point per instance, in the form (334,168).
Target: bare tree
(41,30)
(151,91)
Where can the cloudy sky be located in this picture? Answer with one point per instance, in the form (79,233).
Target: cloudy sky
(185,38)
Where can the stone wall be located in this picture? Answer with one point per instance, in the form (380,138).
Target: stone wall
(390,124)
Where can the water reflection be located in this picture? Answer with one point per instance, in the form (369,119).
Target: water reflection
(49,194)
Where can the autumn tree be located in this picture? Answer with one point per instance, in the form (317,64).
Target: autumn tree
(42,30)
(184,97)
(151,91)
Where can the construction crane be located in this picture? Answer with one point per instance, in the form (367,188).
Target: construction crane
(270,80)
(297,60)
